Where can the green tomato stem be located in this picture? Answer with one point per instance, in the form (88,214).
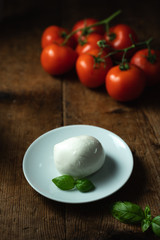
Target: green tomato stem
(124,65)
(107,28)
(105,21)
(151,57)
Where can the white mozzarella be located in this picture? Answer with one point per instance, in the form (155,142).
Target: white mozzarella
(79,156)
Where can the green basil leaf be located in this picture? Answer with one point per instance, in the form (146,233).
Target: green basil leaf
(156,225)
(127,212)
(84,185)
(64,182)
(145,224)
(147,213)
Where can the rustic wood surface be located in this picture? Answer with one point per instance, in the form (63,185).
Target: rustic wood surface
(32,102)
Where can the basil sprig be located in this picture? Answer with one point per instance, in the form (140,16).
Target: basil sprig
(84,185)
(132,213)
(147,220)
(67,182)
(127,212)
(156,225)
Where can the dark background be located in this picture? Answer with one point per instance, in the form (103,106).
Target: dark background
(139,14)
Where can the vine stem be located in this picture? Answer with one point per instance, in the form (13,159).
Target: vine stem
(105,21)
(125,50)
(151,57)
(124,64)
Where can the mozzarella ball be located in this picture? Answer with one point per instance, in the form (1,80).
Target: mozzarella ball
(79,156)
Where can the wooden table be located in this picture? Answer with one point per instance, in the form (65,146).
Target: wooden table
(32,102)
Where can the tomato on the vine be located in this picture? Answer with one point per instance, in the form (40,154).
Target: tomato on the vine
(56,59)
(119,37)
(149,62)
(80,35)
(89,43)
(92,68)
(125,85)
(55,34)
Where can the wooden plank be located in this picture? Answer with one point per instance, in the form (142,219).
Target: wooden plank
(31,104)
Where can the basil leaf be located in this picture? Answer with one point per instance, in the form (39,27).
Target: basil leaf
(156,225)
(84,185)
(145,224)
(127,212)
(64,182)
(147,213)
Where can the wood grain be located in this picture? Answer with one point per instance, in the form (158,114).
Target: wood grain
(33,102)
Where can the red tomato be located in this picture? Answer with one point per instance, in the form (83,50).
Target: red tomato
(55,34)
(119,38)
(90,70)
(86,22)
(57,59)
(150,65)
(91,43)
(125,85)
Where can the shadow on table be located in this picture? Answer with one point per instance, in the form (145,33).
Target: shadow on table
(130,236)
(150,98)
(132,190)
(135,187)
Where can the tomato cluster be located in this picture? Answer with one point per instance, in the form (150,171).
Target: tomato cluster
(101,56)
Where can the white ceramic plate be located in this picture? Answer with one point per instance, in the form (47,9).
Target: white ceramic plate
(39,169)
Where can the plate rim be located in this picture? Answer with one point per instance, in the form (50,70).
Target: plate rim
(72,126)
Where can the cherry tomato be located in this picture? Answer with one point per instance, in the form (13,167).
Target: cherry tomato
(90,43)
(84,23)
(91,69)
(125,85)
(119,38)
(55,34)
(149,63)
(57,59)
